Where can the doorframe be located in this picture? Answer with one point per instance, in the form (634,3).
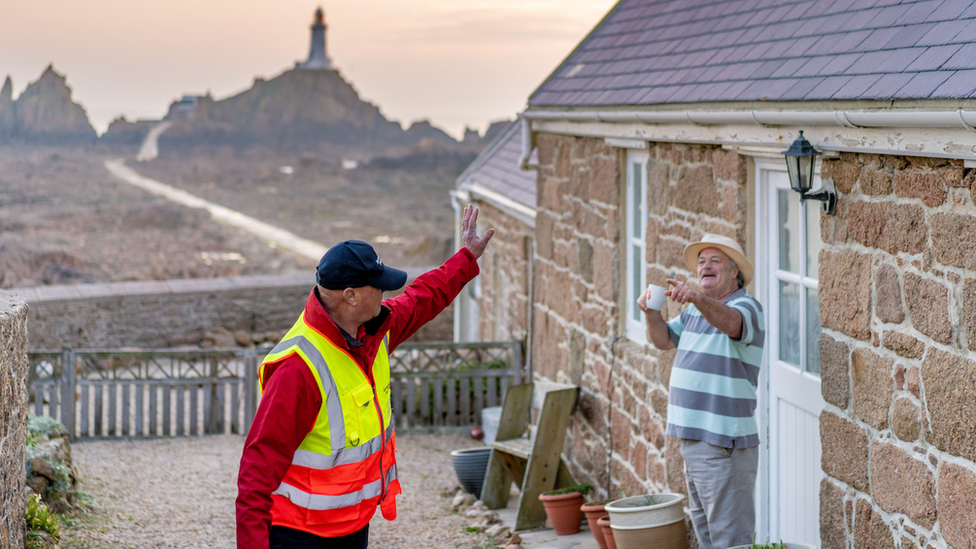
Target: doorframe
(764,240)
(761,192)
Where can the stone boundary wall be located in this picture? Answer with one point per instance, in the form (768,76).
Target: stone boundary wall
(578,328)
(13,419)
(175,313)
(898,310)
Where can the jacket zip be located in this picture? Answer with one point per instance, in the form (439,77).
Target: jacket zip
(379,412)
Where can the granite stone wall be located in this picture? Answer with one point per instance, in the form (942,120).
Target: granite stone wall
(504,311)
(578,326)
(13,419)
(898,310)
(174,313)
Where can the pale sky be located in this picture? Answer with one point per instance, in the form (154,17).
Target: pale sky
(456,62)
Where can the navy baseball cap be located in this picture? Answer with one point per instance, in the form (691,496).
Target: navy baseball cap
(353,264)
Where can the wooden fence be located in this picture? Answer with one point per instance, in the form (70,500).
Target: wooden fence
(165,392)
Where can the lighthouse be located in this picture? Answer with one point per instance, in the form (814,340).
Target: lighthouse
(317,58)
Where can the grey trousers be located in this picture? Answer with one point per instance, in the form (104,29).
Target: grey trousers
(721,493)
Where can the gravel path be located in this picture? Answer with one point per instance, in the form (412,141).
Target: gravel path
(180,493)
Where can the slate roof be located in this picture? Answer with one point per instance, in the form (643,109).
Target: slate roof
(648,52)
(497,168)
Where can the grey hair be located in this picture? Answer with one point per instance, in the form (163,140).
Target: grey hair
(739,278)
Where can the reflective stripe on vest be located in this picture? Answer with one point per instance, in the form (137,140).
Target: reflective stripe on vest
(318,502)
(345,456)
(337,424)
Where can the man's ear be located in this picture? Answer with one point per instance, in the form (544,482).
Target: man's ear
(349,295)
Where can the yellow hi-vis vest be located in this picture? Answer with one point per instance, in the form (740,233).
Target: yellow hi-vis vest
(346,465)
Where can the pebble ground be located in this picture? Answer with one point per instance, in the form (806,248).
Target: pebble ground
(180,492)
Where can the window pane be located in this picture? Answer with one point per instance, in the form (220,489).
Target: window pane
(814,244)
(813,332)
(789,233)
(635,201)
(789,323)
(636,286)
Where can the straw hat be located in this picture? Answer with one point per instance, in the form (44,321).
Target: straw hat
(727,245)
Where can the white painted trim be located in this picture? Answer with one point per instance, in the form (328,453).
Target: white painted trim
(636,330)
(626,143)
(515,209)
(911,141)
(766,152)
(848,119)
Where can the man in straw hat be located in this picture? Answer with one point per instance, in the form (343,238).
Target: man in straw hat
(712,397)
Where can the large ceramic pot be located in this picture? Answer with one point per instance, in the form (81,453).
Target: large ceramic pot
(653,520)
(604,524)
(595,512)
(563,511)
(470,466)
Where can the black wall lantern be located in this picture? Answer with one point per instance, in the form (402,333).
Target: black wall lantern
(801,160)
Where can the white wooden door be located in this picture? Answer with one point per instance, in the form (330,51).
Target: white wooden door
(792,402)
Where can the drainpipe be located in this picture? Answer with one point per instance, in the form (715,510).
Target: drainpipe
(458,198)
(527,144)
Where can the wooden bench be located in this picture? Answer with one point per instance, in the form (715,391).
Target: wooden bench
(530,455)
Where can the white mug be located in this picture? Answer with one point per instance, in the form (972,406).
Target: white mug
(655,297)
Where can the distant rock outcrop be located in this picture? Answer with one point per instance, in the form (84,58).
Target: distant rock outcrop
(423,129)
(8,118)
(44,113)
(297,110)
(121,132)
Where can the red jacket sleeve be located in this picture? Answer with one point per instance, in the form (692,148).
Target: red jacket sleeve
(285,415)
(428,295)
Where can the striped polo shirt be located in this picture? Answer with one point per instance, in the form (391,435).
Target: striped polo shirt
(713,382)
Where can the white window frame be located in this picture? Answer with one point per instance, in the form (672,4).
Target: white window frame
(635,245)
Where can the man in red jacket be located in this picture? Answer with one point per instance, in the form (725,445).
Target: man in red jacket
(346,323)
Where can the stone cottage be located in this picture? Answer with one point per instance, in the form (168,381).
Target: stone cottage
(668,122)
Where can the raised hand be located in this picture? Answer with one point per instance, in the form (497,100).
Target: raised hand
(469,232)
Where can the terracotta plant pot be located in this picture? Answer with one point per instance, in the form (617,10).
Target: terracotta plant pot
(653,521)
(604,524)
(594,512)
(563,511)
(668,536)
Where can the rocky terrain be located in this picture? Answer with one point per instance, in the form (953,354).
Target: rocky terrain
(400,205)
(64,219)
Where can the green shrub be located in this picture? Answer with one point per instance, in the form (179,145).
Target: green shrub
(40,519)
(61,483)
(581,488)
(41,425)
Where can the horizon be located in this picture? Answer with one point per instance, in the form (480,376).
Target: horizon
(458,65)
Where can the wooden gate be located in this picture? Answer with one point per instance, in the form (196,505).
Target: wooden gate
(165,392)
(110,393)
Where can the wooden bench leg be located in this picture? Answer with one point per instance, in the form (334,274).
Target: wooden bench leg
(498,482)
(564,479)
